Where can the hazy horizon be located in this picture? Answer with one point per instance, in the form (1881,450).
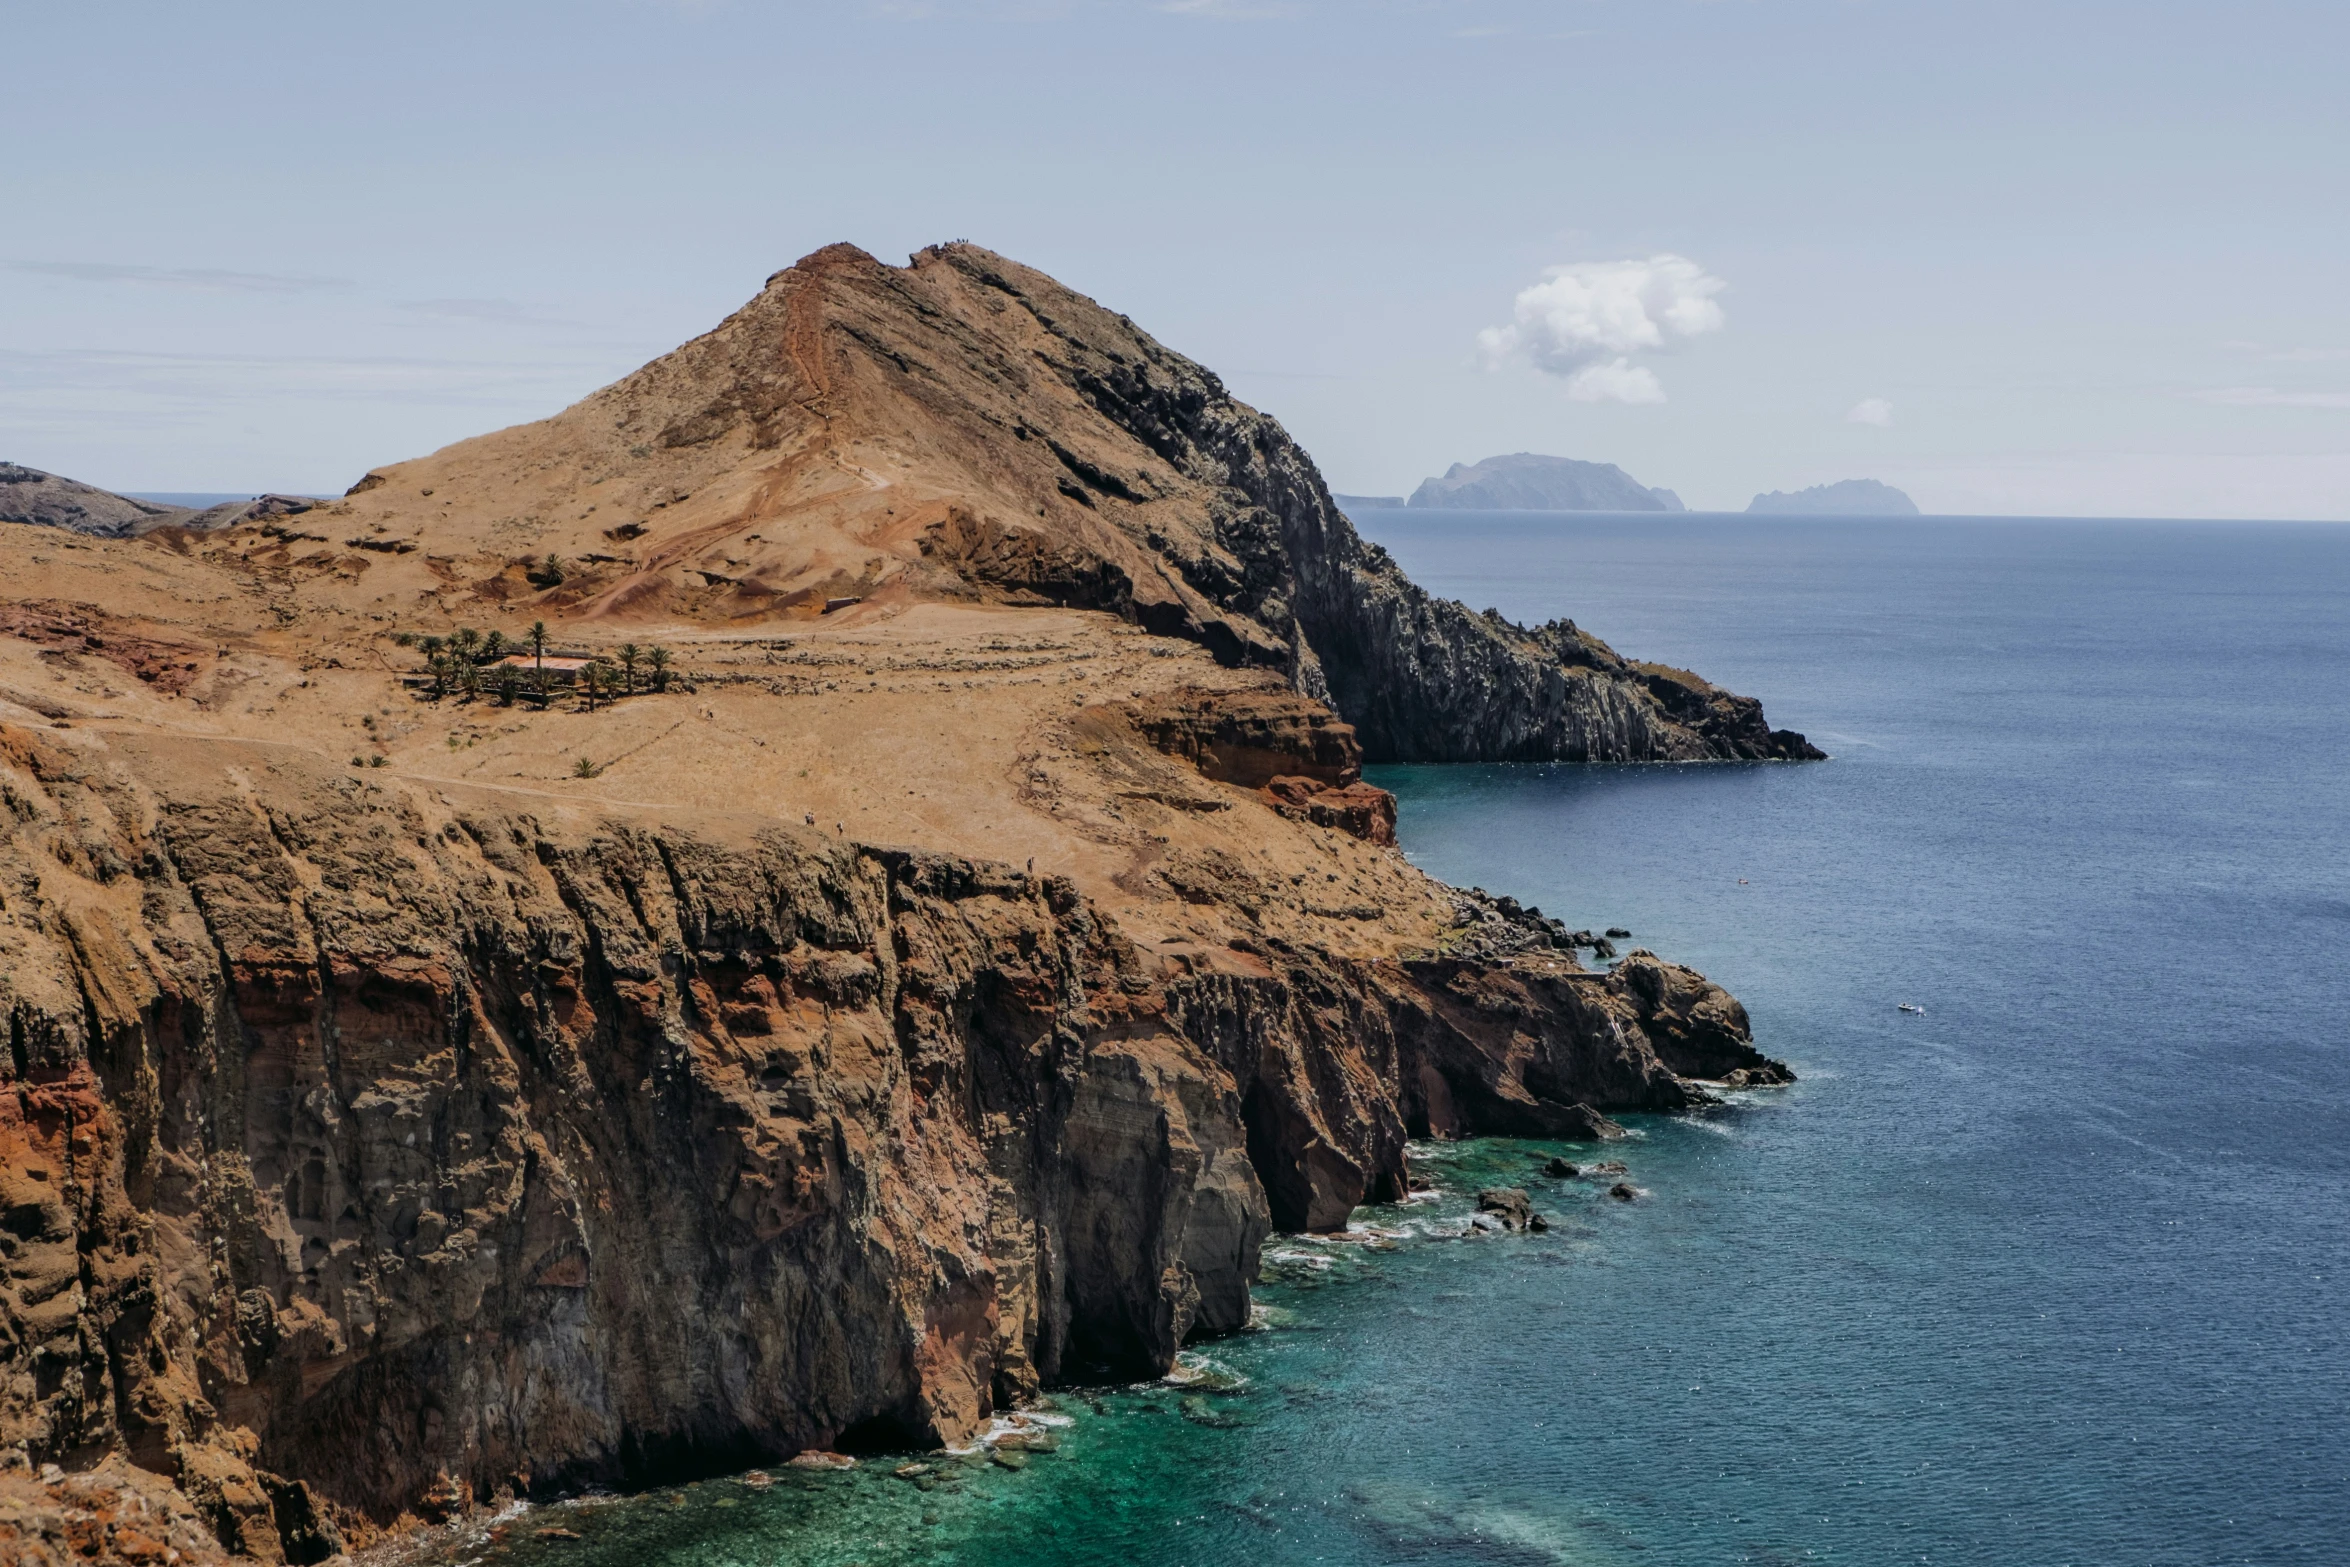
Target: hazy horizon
(2074,259)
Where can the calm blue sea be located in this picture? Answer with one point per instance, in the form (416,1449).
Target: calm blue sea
(2052,1273)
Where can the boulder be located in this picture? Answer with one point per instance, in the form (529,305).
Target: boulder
(1510,1208)
(817,1458)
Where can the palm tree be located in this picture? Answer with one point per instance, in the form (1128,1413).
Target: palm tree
(628,658)
(509,686)
(660,662)
(538,649)
(469,679)
(589,681)
(493,644)
(439,666)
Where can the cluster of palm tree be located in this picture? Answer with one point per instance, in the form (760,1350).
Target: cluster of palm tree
(456,663)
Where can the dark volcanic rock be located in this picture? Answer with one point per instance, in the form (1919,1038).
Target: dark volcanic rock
(1288,578)
(1511,1206)
(1561,1169)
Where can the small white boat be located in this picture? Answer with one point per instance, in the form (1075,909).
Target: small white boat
(1911,1006)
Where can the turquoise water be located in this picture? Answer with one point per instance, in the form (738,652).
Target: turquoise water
(2051,1273)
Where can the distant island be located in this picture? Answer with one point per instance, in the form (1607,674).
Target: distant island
(1844,498)
(1528,481)
(1366,502)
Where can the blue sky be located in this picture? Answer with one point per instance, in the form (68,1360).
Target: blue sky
(2055,257)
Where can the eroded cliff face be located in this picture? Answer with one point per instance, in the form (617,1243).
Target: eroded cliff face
(1422,679)
(369,1146)
(413,1095)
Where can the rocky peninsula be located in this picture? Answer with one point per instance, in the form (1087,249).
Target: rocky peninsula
(427,1083)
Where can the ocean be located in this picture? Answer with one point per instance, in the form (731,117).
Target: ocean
(2051,1272)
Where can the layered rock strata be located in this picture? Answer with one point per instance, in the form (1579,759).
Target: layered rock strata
(369,1146)
(980,940)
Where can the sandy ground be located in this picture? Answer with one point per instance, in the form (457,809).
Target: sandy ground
(932,725)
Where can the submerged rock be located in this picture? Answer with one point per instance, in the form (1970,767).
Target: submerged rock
(1623,1191)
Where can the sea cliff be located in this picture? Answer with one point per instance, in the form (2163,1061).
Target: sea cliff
(938,983)
(371,1148)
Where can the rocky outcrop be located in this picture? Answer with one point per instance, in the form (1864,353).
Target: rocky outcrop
(1294,750)
(43,500)
(367,1148)
(1420,678)
(1364,810)
(1507,1208)
(1253,737)
(1529,481)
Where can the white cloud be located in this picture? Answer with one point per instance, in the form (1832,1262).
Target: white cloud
(1583,322)
(1871,410)
(1615,381)
(2270,397)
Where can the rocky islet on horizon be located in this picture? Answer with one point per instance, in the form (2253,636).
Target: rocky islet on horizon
(1844,498)
(572,1097)
(1529,481)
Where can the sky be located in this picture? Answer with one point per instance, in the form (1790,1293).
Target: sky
(2023,258)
